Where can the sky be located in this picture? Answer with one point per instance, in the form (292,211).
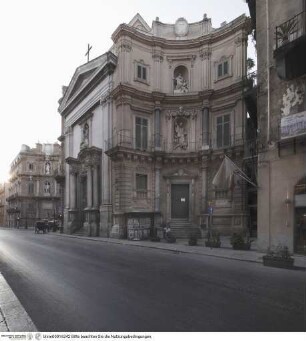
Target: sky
(42,42)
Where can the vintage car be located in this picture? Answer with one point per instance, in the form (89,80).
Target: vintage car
(41,226)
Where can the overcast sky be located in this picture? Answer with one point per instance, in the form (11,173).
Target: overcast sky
(44,41)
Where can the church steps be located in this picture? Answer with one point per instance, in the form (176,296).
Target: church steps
(183,229)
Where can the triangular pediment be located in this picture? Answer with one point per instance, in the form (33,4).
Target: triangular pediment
(139,23)
(83,75)
(81,80)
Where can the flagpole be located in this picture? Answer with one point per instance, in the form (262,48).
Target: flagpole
(241,173)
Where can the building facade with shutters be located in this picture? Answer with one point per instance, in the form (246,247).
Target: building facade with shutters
(3,204)
(146,127)
(33,193)
(281,49)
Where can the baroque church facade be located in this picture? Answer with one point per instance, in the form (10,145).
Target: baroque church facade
(146,126)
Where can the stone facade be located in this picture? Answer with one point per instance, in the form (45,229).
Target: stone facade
(3,204)
(33,193)
(146,127)
(282,124)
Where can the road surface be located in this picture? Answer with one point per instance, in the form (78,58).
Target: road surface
(72,284)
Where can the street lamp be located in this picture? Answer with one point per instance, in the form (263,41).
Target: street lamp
(288,203)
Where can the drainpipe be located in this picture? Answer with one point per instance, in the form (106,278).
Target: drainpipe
(268,110)
(268,70)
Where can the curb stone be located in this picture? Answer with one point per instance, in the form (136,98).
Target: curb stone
(13,317)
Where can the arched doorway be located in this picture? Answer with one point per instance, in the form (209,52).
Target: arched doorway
(300,216)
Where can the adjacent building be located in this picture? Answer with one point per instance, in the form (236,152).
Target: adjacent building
(33,192)
(3,204)
(280,30)
(146,127)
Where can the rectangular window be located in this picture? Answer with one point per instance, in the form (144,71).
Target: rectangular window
(31,188)
(223,131)
(138,71)
(220,71)
(141,72)
(141,133)
(223,69)
(141,185)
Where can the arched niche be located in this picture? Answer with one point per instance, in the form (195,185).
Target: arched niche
(180,79)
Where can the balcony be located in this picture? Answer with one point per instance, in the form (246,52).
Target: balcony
(123,141)
(59,174)
(290,47)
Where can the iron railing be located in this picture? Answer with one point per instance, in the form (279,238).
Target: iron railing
(124,139)
(290,30)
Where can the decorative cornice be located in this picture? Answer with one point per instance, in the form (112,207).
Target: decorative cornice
(181,112)
(90,156)
(240,23)
(205,54)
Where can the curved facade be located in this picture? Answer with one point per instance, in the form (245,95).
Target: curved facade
(145,137)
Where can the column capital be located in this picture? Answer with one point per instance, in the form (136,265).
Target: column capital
(205,105)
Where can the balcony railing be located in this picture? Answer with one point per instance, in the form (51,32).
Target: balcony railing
(123,139)
(290,30)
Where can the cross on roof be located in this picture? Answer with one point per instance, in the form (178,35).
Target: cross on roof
(87,53)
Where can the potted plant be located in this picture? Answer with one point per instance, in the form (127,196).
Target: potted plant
(280,258)
(240,241)
(212,239)
(193,239)
(284,30)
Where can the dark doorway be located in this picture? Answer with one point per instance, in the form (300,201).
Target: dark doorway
(300,230)
(179,201)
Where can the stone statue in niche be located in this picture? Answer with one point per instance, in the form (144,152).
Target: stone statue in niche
(180,139)
(85,136)
(47,168)
(293,96)
(180,84)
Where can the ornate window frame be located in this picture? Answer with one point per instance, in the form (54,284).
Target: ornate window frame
(141,193)
(142,117)
(141,69)
(225,64)
(223,114)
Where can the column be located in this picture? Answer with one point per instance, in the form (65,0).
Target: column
(89,187)
(205,57)
(72,190)
(205,128)
(157,142)
(157,189)
(204,189)
(95,186)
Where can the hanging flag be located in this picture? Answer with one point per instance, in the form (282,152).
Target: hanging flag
(224,177)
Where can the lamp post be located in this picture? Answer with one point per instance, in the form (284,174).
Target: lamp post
(288,203)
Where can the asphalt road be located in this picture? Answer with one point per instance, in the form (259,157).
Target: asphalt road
(69,284)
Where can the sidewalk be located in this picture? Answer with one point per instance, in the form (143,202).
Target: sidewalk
(225,251)
(13,317)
